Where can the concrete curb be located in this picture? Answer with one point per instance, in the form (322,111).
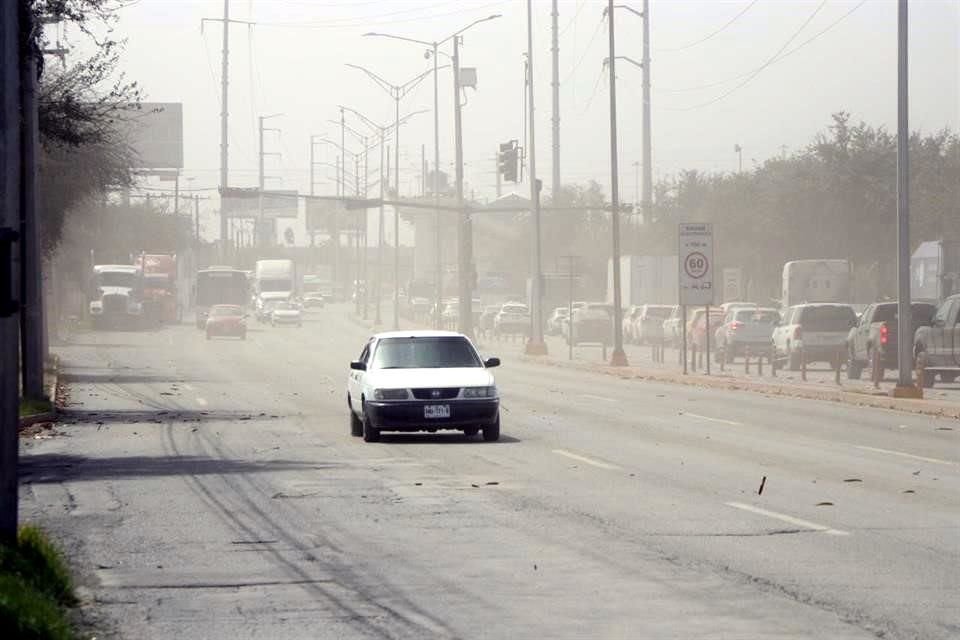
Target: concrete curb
(923,407)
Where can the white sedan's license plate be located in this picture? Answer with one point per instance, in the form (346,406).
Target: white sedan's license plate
(436,411)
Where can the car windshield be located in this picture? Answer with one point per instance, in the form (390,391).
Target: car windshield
(754,316)
(827,318)
(286,306)
(225,311)
(658,312)
(117,279)
(922,313)
(515,308)
(440,352)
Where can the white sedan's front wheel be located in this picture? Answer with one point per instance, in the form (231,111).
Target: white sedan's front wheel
(491,432)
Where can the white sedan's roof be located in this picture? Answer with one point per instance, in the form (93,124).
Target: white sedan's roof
(418,333)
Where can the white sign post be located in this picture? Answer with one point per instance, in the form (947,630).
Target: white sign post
(696,263)
(696,276)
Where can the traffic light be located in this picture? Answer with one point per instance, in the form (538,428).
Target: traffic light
(507,161)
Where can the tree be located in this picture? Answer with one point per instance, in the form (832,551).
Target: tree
(81,113)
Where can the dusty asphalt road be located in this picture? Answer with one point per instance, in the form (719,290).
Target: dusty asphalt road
(212,490)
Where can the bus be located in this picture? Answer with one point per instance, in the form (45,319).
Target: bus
(219,285)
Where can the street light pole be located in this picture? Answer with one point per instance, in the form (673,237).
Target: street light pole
(465,259)
(905,386)
(535,345)
(396,218)
(618,357)
(436,187)
(463,227)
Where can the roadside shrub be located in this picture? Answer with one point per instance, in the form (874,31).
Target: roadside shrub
(38,564)
(27,614)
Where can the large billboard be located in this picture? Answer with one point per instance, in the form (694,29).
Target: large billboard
(245,203)
(155,131)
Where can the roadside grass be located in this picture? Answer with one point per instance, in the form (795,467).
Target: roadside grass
(33,407)
(35,588)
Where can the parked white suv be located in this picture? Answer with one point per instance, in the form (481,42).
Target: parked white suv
(817,332)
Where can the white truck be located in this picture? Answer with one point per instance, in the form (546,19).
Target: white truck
(935,270)
(815,281)
(274,281)
(116,296)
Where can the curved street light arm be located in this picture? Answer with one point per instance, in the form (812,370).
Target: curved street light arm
(386,86)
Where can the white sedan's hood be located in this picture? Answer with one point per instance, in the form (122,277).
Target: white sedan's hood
(421,378)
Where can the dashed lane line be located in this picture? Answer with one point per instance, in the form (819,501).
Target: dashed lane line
(596,463)
(720,420)
(593,397)
(806,524)
(903,454)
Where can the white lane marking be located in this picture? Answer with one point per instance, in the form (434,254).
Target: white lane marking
(591,461)
(906,455)
(187,387)
(721,420)
(593,397)
(202,402)
(806,524)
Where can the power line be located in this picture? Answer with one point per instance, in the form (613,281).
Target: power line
(583,55)
(713,33)
(371,21)
(757,71)
(573,19)
(790,52)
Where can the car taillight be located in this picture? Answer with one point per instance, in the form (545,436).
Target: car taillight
(736,324)
(884,333)
(797,333)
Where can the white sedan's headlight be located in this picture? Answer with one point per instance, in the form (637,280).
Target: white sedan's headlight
(480,392)
(390,394)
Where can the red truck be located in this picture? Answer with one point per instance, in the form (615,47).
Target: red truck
(160,300)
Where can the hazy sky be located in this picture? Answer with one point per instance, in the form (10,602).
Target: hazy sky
(711,89)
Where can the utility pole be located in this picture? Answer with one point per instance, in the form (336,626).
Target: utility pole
(224,117)
(464,255)
(9,263)
(436,189)
(905,386)
(341,191)
(647,202)
(31,294)
(555,84)
(378,291)
(196,218)
(396,217)
(260,228)
(618,357)
(535,345)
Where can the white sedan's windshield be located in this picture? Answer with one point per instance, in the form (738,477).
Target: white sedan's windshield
(425,353)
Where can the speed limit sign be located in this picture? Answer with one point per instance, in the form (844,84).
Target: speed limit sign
(696,263)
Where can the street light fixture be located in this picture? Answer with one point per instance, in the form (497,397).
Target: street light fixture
(466,322)
(382,133)
(396,91)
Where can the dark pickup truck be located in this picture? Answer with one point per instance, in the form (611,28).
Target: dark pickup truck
(937,346)
(875,336)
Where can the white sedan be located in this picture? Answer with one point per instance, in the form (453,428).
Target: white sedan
(422,381)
